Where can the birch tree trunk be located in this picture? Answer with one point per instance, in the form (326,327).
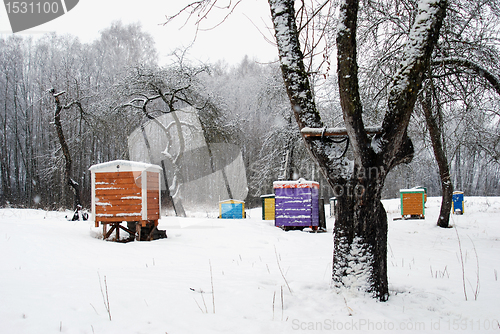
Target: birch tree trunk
(360,251)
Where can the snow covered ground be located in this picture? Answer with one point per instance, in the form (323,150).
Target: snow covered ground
(244,276)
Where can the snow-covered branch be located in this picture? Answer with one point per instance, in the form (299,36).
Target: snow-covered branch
(300,92)
(329,132)
(480,70)
(201,9)
(408,81)
(347,72)
(292,64)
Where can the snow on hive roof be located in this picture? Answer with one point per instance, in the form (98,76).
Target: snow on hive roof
(233,201)
(412,190)
(124,165)
(300,183)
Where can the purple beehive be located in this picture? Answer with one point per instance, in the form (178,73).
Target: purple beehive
(296,203)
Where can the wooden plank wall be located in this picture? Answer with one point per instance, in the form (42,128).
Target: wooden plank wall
(268,210)
(153,195)
(412,204)
(118,197)
(231,209)
(296,207)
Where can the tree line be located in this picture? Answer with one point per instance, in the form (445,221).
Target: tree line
(245,103)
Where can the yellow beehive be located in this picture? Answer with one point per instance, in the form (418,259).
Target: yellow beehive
(267,207)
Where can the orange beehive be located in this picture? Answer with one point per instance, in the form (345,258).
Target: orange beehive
(125,191)
(413,203)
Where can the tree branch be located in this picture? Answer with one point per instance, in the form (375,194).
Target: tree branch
(292,65)
(477,68)
(408,81)
(64,146)
(347,72)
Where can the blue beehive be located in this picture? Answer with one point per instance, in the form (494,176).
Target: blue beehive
(296,204)
(458,202)
(232,209)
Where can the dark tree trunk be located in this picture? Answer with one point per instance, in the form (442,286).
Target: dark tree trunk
(360,237)
(360,251)
(360,258)
(290,166)
(442,161)
(75,186)
(436,134)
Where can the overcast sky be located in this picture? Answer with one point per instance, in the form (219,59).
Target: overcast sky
(231,41)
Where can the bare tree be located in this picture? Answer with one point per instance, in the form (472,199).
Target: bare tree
(360,256)
(153,92)
(466,54)
(32,167)
(434,123)
(75,186)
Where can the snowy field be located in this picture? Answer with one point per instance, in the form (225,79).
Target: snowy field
(245,276)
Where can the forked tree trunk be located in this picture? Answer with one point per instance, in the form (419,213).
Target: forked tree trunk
(360,257)
(360,238)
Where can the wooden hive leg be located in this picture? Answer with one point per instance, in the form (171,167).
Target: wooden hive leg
(138,227)
(109,232)
(153,225)
(131,230)
(131,233)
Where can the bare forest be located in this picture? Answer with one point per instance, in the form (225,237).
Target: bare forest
(106,89)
